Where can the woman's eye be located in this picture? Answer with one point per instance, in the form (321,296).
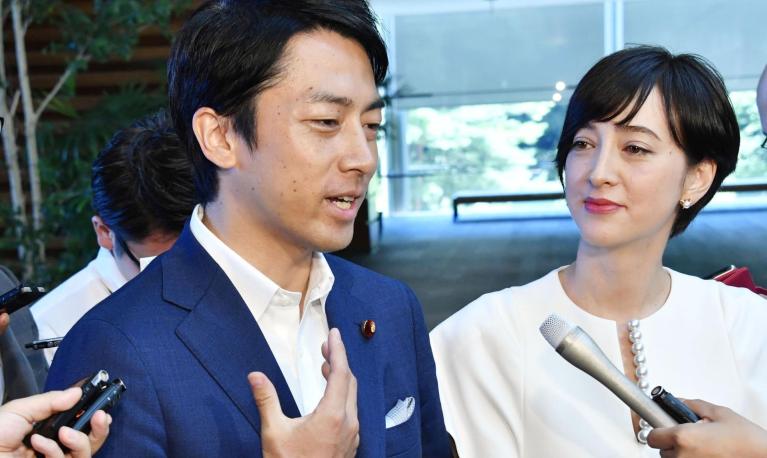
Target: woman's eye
(635,149)
(580,144)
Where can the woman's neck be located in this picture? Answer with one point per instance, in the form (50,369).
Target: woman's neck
(618,284)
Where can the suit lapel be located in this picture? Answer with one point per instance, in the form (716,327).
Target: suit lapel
(220,331)
(347,312)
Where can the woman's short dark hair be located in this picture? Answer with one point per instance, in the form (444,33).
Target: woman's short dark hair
(142,181)
(229,51)
(700,116)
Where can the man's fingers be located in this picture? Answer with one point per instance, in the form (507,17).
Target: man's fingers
(353,451)
(267,401)
(337,389)
(5,319)
(351,397)
(99,430)
(336,351)
(42,406)
(47,447)
(325,370)
(326,355)
(76,441)
(325,351)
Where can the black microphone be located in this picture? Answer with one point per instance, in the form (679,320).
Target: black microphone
(673,406)
(577,347)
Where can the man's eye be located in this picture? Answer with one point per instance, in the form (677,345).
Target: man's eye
(373,130)
(325,123)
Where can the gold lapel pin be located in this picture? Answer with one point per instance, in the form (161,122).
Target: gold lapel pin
(368,328)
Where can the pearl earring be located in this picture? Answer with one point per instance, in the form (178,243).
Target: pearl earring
(685,203)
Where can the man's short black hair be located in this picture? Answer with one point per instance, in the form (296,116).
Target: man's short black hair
(142,181)
(700,116)
(229,51)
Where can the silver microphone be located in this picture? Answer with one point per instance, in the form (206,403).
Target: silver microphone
(577,347)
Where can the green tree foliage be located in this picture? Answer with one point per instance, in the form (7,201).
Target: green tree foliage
(512,147)
(447,154)
(478,148)
(545,147)
(752,160)
(101,31)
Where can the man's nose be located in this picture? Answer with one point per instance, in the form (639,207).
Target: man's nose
(360,154)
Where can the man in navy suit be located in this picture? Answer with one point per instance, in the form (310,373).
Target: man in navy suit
(277,103)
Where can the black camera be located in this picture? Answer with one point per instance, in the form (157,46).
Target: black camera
(20,296)
(98,393)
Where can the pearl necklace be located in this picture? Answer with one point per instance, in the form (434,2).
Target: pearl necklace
(640,363)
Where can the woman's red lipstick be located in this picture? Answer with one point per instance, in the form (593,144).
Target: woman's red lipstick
(601,206)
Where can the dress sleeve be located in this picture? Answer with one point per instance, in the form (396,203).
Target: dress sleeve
(746,316)
(479,370)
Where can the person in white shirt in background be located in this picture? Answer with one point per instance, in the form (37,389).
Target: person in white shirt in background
(143,193)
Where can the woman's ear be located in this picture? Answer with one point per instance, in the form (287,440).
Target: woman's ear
(103,233)
(698,180)
(214,137)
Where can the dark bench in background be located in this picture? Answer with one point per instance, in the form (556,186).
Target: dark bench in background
(473,197)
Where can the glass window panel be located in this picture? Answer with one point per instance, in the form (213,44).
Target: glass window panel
(730,33)
(493,148)
(500,55)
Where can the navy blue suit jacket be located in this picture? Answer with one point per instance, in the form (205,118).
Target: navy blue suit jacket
(183,341)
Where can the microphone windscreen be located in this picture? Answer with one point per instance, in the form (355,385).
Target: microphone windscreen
(554,329)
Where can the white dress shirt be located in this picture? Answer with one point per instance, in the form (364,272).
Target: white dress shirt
(59,310)
(505,392)
(294,340)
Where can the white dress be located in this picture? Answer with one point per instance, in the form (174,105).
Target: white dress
(505,392)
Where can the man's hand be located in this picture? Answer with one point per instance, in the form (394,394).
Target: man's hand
(17,417)
(332,430)
(5,319)
(720,433)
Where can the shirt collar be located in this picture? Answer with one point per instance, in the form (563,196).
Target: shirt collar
(106,268)
(320,280)
(256,289)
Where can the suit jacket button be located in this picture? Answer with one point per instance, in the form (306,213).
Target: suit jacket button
(368,328)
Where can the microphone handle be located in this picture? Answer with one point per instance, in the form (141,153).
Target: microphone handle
(582,352)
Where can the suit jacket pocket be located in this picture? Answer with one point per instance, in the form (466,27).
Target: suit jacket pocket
(405,439)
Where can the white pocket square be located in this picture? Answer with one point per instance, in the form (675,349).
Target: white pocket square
(401,412)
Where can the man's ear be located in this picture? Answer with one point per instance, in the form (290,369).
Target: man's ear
(698,180)
(103,233)
(215,137)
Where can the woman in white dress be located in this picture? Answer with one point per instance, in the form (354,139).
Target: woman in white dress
(647,140)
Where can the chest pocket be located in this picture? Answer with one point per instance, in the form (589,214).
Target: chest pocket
(405,438)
